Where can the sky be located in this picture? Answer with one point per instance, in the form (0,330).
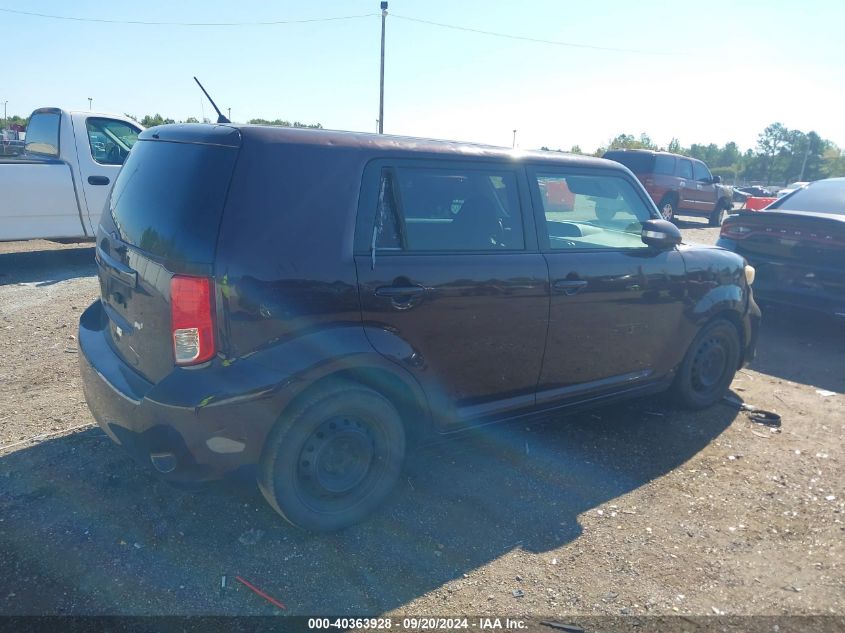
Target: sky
(702,72)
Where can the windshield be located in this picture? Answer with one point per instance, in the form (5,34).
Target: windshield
(823,196)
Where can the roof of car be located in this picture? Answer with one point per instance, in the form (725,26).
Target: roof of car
(648,151)
(230,134)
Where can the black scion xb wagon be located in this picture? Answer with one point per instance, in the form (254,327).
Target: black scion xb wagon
(307,304)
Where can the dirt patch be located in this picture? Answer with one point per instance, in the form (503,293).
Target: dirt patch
(639,508)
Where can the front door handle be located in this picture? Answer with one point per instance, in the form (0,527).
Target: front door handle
(399,292)
(98,180)
(569,287)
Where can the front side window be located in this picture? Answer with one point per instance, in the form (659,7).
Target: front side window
(42,134)
(440,209)
(605,212)
(685,168)
(110,140)
(701,173)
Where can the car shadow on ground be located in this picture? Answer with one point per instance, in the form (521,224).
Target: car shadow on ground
(85,530)
(43,268)
(802,347)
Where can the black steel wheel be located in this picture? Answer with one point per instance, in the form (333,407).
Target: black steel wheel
(709,366)
(333,458)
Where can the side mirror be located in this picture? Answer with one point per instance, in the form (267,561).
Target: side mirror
(717,180)
(661,234)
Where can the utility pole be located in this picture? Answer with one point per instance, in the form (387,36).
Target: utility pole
(230,113)
(381,75)
(89,103)
(513,145)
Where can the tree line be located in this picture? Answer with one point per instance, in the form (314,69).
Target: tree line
(151,120)
(781,156)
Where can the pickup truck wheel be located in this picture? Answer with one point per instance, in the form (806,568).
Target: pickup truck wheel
(719,214)
(333,459)
(709,366)
(667,208)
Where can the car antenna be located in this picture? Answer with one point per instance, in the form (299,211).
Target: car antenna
(220,117)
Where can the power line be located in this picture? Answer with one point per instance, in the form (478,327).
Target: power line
(443,25)
(522,38)
(150,23)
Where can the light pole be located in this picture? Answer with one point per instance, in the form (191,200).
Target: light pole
(90,100)
(513,145)
(381,75)
(4,114)
(230,113)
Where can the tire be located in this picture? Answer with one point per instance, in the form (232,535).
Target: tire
(333,458)
(720,213)
(667,208)
(709,366)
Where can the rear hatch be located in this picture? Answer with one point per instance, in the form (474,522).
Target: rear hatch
(161,221)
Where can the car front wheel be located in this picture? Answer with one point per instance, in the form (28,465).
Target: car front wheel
(333,458)
(709,366)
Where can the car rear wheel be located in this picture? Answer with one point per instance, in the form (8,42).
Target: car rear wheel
(667,208)
(709,366)
(333,458)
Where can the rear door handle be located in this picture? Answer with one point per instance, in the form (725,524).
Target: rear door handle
(569,287)
(98,180)
(398,292)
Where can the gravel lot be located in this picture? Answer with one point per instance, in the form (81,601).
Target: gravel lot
(639,508)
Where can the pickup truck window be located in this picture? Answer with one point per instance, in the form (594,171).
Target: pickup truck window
(42,134)
(110,140)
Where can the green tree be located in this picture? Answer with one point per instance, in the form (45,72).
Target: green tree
(770,143)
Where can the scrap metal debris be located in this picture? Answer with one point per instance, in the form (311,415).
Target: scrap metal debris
(258,591)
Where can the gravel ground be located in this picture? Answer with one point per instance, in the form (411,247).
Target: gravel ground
(634,509)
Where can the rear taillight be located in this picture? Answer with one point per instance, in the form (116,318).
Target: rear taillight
(192,319)
(735,231)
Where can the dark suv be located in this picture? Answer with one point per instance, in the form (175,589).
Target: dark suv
(678,184)
(306,304)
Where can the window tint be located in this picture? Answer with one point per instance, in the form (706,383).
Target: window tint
(701,173)
(168,198)
(448,210)
(591,211)
(110,140)
(685,168)
(664,165)
(637,162)
(823,196)
(42,134)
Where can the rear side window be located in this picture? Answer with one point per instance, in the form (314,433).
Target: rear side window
(441,209)
(603,211)
(639,163)
(685,168)
(664,165)
(42,134)
(168,198)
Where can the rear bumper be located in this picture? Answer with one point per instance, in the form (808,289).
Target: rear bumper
(186,425)
(809,287)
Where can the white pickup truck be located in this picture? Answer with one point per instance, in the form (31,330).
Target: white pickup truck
(57,187)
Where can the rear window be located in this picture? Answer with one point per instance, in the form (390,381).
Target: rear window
(636,162)
(824,196)
(168,199)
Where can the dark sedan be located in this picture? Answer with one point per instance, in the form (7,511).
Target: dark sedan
(797,245)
